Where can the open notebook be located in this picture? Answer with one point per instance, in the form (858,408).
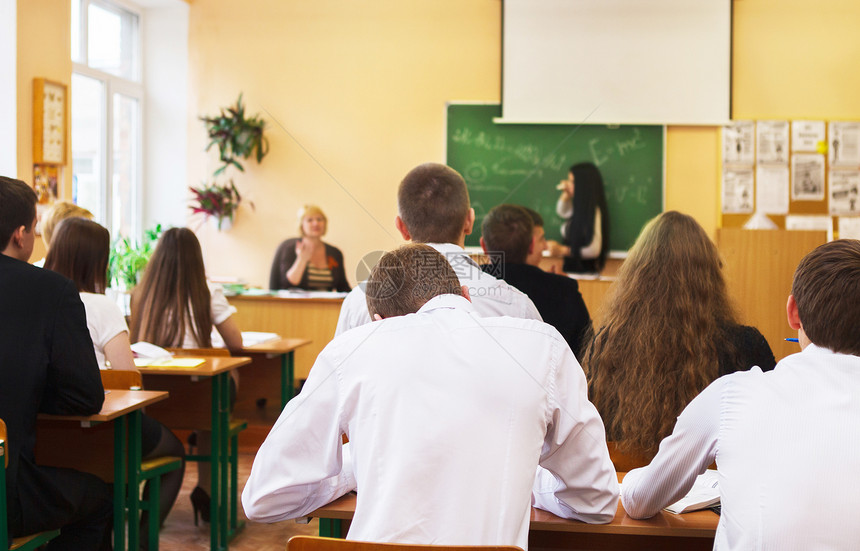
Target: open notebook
(704,493)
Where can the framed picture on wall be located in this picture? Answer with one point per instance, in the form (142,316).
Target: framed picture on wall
(50,122)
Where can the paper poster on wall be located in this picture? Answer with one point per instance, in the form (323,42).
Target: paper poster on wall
(771,139)
(807,136)
(807,177)
(849,227)
(737,191)
(810,222)
(844,143)
(738,144)
(771,194)
(844,185)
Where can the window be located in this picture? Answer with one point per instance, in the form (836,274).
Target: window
(107,99)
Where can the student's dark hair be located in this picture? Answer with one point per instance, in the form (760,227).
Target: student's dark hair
(406,278)
(508,229)
(588,195)
(173,294)
(433,203)
(826,288)
(537,219)
(79,250)
(17,208)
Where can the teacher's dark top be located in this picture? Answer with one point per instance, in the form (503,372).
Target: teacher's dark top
(556,297)
(285,256)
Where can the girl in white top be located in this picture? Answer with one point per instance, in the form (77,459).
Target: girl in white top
(79,250)
(174,306)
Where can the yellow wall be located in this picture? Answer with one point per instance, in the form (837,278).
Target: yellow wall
(44,38)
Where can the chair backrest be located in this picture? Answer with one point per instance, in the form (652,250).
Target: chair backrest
(311,543)
(626,461)
(4,447)
(121,379)
(204,352)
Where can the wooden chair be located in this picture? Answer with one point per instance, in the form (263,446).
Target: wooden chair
(626,462)
(24,543)
(150,469)
(312,543)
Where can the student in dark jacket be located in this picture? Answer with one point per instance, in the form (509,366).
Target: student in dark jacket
(306,262)
(47,365)
(514,242)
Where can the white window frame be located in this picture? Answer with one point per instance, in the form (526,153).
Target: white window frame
(113,85)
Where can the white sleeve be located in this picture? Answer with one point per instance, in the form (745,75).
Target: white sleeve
(221,308)
(353,311)
(683,455)
(300,466)
(593,248)
(576,479)
(104,319)
(564,207)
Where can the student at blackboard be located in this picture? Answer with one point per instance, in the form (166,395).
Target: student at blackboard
(508,238)
(782,440)
(667,329)
(586,228)
(306,262)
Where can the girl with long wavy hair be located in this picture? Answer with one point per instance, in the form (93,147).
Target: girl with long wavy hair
(79,250)
(173,306)
(666,330)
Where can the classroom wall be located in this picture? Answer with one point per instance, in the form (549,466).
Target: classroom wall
(44,50)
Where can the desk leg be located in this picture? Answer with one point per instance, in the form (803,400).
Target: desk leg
(215,543)
(288,382)
(330,528)
(119,477)
(134,459)
(224,459)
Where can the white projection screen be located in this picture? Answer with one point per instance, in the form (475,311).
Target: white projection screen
(617,61)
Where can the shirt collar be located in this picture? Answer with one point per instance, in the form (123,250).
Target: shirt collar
(451,302)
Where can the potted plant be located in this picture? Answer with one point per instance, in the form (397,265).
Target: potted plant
(128,258)
(237,137)
(218,201)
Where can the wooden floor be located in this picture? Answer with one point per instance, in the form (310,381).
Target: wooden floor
(180,534)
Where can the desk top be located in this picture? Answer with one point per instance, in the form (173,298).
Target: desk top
(117,403)
(698,524)
(276,346)
(212,366)
(320,297)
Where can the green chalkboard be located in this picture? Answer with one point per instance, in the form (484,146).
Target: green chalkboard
(523,163)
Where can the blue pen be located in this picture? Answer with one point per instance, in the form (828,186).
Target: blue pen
(791,340)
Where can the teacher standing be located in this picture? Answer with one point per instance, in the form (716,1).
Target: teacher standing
(306,262)
(582,205)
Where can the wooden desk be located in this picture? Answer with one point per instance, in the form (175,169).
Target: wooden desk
(665,531)
(200,400)
(256,380)
(87,448)
(314,319)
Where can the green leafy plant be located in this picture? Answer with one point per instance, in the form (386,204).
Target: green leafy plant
(237,136)
(216,200)
(128,258)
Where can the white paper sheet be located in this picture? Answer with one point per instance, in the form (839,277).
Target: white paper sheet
(737,191)
(849,227)
(843,143)
(807,177)
(772,189)
(810,222)
(808,136)
(738,143)
(844,186)
(771,141)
